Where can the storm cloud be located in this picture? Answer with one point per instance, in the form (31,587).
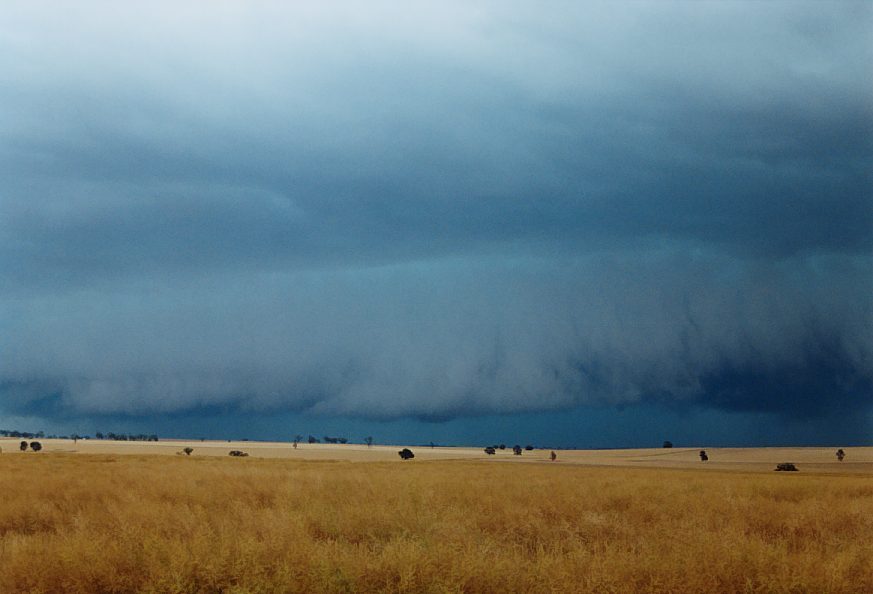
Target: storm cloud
(435,211)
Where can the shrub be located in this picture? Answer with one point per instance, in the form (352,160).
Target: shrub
(406,454)
(238,453)
(786,466)
(668,444)
(516,449)
(529,448)
(840,454)
(35,446)
(188,451)
(703,456)
(23,446)
(490,451)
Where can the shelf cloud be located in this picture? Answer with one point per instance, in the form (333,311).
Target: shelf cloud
(395,210)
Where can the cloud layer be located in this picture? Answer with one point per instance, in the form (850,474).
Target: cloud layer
(435,212)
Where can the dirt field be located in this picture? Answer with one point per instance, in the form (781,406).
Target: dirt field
(815,460)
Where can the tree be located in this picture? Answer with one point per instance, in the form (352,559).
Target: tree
(369,441)
(840,454)
(313,439)
(516,449)
(297,439)
(98,435)
(406,454)
(490,451)
(23,446)
(668,444)
(528,448)
(502,446)
(35,446)
(703,456)
(188,451)
(553,456)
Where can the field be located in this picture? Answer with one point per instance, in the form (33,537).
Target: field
(352,519)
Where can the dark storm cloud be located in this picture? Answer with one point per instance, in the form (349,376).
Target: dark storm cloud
(436,211)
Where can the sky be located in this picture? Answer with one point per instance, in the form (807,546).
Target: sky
(583,224)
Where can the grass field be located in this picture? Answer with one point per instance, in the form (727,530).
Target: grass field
(147,523)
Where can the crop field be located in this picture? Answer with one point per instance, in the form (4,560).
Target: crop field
(109,522)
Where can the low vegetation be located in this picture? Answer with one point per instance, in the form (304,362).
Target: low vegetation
(98,523)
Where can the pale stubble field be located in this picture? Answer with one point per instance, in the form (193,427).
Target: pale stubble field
(353,519)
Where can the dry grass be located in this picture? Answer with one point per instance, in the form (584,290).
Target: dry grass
(72,523)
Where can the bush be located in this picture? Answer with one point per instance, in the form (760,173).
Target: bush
(35,446)
(238,453)
(668,444)
(840,454)
(23,446)
(787,466)
(703,456)
(516,449)
(529,448)
(188,451)
(406,454)
(490,451)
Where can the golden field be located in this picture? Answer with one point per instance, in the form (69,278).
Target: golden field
(448,521)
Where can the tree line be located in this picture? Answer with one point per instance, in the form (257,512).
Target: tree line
(98,435)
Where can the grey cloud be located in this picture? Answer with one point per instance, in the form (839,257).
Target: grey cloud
(435,210)
(441,340)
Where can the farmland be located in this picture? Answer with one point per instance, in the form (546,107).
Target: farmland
(357,519)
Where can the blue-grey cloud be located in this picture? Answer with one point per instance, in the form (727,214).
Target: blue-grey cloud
(436,211)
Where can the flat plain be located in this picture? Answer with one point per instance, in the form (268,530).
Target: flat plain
(100,516)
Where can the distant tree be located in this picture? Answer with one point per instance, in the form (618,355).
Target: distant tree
(343,439)
(35,446)
(516,449)
(553,456)
(840,454)
(313,439)
(502,446)
(668,444)
(238,453)
(529,448)
(188,451)
(703,456)
(153,437)
(297,439)
(98,435)
(369,441)
(406,454)
(23,446)
(490,451)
